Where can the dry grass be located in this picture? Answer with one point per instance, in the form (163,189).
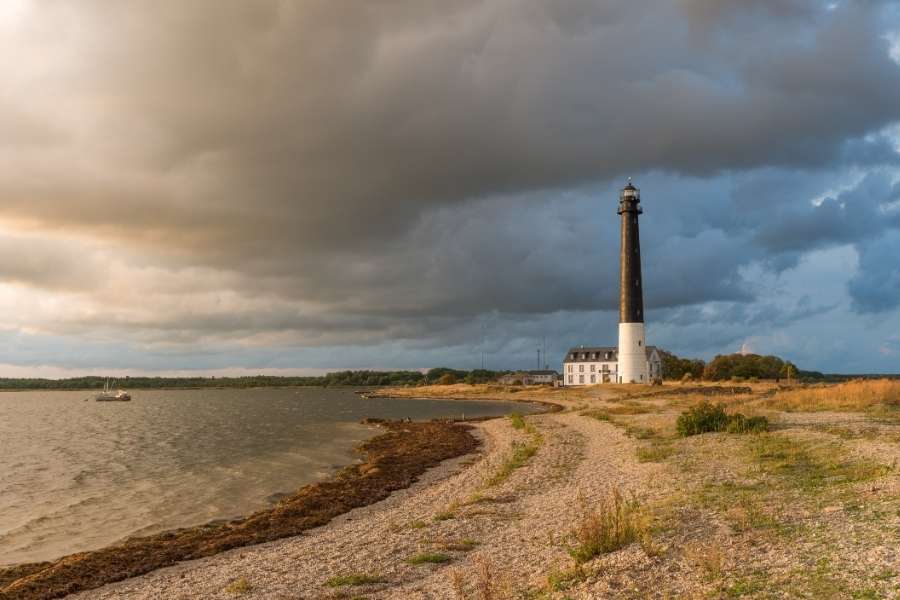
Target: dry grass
(239,586)
(613,524)
(709,558)
(486,583)
(858,395)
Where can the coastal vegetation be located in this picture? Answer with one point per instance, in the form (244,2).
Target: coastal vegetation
(856,395)
(706,417)
(429,558)
(353,580)
(610,524)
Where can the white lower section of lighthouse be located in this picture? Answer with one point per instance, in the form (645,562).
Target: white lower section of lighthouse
(633,365)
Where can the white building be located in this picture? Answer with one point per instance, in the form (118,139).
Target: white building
(592,365)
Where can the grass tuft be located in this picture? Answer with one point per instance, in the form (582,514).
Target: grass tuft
(429,558)
(239,586)
(654,452)
(517,421)
(351,580)
(613,524)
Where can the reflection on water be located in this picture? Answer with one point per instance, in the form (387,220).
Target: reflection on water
(76,474)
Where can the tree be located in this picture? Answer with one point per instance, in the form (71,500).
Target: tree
(745,366)
(674,367)
(447,379)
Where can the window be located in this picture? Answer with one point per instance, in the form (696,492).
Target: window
(571,378)
(581,368)
(607,355)
(581,379)
(593,379)
(570,368)
(593,368)
(584,356)
(593,355)
(639,342)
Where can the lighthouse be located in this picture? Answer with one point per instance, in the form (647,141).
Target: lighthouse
(633,366)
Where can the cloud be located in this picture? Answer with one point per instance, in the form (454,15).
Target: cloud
(309,175)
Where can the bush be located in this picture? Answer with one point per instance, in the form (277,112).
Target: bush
(706,417)
(447,379)
(702,418)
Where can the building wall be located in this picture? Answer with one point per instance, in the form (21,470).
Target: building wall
(580,373)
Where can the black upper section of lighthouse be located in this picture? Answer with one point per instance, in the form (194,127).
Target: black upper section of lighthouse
(631,295)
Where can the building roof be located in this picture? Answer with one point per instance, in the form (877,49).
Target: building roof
(543,372)
(600,350)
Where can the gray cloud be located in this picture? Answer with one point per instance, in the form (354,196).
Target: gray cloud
(320,174)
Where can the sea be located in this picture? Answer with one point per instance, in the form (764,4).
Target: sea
(76,474)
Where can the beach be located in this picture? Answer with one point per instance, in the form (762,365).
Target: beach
(712,516)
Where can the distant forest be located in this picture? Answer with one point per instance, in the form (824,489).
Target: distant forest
(721,368)
(745,367)
(337,378)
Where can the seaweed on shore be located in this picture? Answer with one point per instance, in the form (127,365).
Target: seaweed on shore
(394,460)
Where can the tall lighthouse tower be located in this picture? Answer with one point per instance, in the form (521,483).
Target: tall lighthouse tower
(633,366)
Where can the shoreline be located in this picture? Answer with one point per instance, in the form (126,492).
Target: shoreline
(394,460)
(549,407)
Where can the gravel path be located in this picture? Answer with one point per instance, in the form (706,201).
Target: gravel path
(514,532)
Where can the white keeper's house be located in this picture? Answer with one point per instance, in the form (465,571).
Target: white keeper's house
(600,364)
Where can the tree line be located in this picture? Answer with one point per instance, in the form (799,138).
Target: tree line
(337,378)
(733,366)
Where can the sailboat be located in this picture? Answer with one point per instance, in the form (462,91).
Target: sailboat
(108,395)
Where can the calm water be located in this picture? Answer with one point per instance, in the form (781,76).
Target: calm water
(76,475)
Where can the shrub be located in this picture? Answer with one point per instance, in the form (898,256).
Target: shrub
(702,418)
(706,417)
(517,421)
(447,379)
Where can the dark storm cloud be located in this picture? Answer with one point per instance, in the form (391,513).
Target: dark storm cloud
(876,287)
(332,173)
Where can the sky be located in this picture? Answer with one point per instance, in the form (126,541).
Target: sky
(228,187)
